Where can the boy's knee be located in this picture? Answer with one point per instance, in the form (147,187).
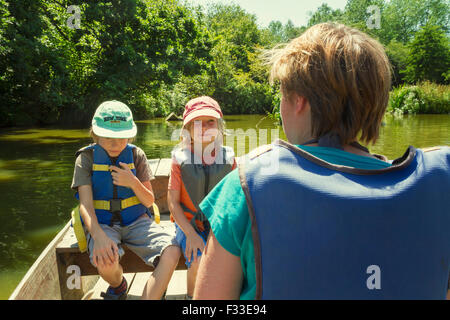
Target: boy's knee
(171,254)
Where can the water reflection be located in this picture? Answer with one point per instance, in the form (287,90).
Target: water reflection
(419,131)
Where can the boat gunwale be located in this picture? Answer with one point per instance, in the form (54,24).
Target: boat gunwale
(20,291)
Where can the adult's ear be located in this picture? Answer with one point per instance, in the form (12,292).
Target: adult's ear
(301,104)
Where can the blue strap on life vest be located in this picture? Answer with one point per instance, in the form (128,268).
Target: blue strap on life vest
(323,231)
(104,189)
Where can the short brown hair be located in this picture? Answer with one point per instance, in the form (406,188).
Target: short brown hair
(343,73)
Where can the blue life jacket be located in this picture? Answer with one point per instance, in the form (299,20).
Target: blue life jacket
(113,203)
(324,231)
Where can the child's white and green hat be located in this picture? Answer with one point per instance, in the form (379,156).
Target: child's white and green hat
(113,119)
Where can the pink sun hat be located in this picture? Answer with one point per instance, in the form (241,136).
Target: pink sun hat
(201,107)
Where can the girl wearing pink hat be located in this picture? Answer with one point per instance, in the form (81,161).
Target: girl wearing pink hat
(199,162)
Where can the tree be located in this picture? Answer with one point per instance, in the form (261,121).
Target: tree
(279,33)
(143,43)
(291,31)
(238,84)
(429,57)
(238,28)
(123,50)
(398,54)
(25,61)
(324,14)
(276,30)
(401,19)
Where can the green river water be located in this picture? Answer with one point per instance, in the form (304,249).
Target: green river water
(36,167)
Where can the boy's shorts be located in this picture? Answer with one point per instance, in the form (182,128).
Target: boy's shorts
(145,238)
(180,239)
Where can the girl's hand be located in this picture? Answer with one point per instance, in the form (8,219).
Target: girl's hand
(122,177)
(193,243)
(105,252)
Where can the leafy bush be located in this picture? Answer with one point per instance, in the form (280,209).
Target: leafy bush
(425,97)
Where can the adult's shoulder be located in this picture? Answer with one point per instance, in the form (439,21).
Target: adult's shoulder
(226,192)
(259,151)
(440,155)
(255,155)
(441,149)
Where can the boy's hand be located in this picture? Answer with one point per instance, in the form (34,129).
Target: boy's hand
(193,243)
(122,177)
(105,252)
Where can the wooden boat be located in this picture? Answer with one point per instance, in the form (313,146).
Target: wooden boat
(63,272)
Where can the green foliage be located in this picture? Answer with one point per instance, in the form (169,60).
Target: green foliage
(237,28)
(155,55)
(124,50)
(325,14)
(275,113)
(429,57)
(425,97)
(398,54)
(24,60)
(240,83)
(276,32)
(169,99)
(403,18)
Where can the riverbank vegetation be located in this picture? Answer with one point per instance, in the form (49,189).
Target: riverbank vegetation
(157,54)
(422,98)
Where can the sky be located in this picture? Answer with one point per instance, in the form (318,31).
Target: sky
(281,10)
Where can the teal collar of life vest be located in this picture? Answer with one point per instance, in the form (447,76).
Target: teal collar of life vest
(397,164)
(332,140)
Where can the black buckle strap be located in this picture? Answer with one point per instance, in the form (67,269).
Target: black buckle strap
(115,207)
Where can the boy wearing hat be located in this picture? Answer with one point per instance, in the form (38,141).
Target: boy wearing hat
(112,181)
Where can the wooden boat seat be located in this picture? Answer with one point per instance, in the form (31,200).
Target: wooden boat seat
(68,257)
(69,254)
